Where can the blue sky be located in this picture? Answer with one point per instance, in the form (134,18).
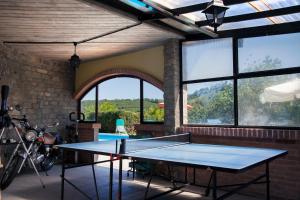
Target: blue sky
(124,88)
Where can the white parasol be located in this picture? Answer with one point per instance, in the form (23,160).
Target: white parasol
(288,91)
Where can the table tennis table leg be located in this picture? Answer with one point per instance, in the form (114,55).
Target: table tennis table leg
(133,169)
(62,176)
(267,181)
(214,184)
(120,179)
(111,173)
(94,177)
(149,182)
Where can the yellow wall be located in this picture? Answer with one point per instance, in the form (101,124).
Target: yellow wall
(149,61)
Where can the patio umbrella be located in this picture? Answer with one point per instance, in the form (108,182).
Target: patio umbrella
(288,91)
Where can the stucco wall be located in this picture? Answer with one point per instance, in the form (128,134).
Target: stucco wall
(148,61)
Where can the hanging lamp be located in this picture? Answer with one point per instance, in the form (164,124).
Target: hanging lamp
(74,60)
(215,12)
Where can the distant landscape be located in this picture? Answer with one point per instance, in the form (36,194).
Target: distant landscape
(128,109)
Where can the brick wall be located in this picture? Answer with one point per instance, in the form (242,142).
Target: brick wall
(150,129)
(284,172)
(43,88)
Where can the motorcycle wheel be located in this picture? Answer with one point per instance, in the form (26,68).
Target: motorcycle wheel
(10,173)
(47,163)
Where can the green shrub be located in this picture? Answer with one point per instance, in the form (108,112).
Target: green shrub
(108,121)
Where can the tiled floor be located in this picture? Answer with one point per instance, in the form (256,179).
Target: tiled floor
(27,186)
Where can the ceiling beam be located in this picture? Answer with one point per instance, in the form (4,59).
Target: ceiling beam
(202,6)
(274,29)
(181,19)
(257,15)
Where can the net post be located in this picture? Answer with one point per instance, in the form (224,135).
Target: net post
(116,150)
(190,137)
(123,146)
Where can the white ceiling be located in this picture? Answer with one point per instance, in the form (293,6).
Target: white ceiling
(71,21)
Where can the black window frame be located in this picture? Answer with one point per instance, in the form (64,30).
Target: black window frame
(141,85)
(236,76)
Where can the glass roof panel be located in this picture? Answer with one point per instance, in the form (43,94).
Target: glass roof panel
(274,4)
(139,5)
(245,24)
(179,3)
(289,18)
(237,9)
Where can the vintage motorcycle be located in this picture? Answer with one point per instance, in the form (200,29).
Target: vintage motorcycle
(33,147)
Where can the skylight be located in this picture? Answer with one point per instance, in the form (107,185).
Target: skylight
(243,15)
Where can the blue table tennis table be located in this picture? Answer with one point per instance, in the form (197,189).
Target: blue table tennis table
(174,151)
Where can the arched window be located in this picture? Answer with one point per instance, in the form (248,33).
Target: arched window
(130,97)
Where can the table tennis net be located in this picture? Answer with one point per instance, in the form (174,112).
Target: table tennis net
(155,142)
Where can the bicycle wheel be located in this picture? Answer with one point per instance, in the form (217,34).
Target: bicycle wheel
(10,172)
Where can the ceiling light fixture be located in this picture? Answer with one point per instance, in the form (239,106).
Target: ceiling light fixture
(74,60)
(215,13)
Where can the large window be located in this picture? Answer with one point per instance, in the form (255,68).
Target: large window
(269,101)
(88,105)
(121,97)
(153,103)
(256,83)
(197,59)
(269,53)
(210,103)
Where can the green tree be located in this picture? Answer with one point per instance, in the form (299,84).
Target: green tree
(107,106)
(88,108)
(154,113)
(198,113)
(221,105)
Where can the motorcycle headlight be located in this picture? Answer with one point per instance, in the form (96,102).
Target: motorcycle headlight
(30,136)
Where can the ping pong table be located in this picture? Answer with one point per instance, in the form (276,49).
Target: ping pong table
(180,151)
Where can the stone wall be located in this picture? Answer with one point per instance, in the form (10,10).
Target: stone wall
(172,86)
(43,88)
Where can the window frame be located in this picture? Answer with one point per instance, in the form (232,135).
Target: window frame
(141,84)
(236,76)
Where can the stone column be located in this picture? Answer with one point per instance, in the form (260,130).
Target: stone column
(172,86)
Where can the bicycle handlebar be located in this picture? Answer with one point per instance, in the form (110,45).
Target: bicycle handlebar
(79,116)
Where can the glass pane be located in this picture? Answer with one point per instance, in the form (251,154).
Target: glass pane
(269,52)
(269,101)
(287,18)
(153,103)
(271,4)
(88,105)
(207,59)
(209,103)
(119,98)
(245,24)
(179,3)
